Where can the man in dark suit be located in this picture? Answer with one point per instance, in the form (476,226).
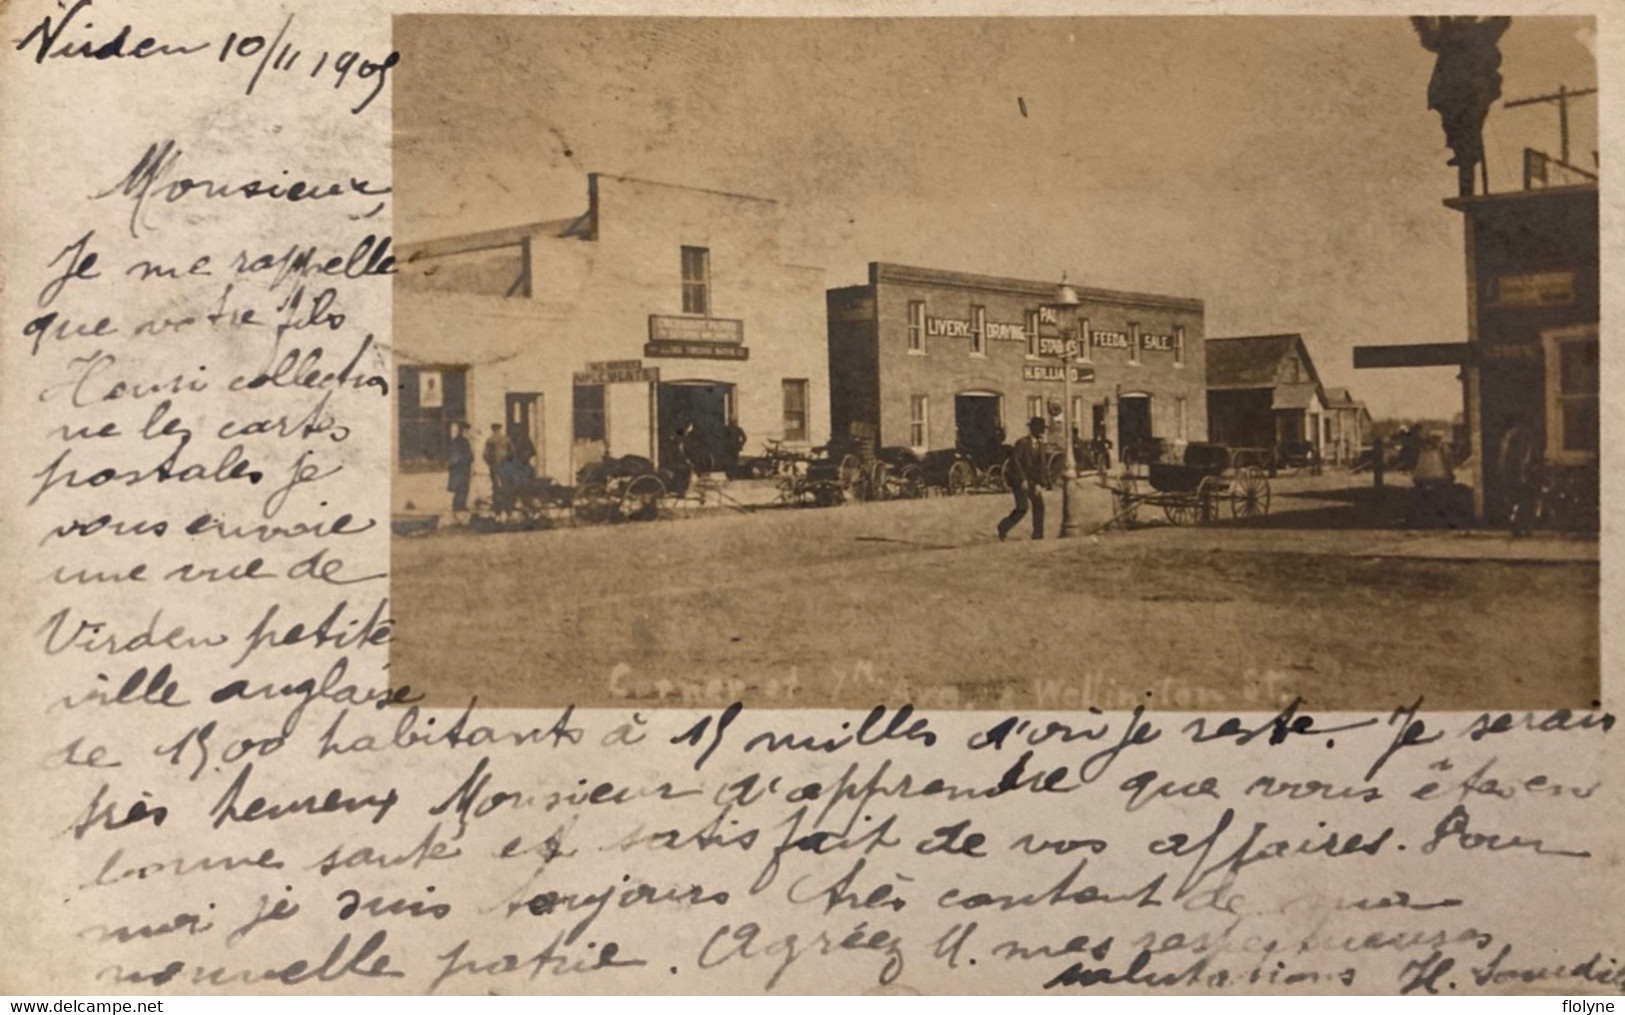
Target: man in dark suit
(1028,475)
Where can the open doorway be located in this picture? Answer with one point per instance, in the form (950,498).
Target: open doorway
(707,406)
(1134,435)
(978,419)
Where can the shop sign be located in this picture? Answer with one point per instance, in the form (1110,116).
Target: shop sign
(1517,351)
(695,350)
(1067,347)
(1542,289)
(620,371)
(1156,343)
(1046,372)
(1109,339)
(959,327)
(947,327)
(664,328)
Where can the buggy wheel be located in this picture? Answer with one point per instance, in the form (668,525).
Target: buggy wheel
(1183,512)
(1057,464)
(1250,494)
(1208,494)
(877,484)
(641,501)
(996,479)
(851,472)
(909,483)
(591,503)
(1126,500)
(961,477)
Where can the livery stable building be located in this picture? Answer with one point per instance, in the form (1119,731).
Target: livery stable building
(938,359)
(659,308)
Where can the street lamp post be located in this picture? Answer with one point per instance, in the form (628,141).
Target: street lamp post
(1065,306)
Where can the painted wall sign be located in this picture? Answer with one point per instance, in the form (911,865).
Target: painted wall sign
(695,350)
(1156,343)
(1542,289)
(1046,372)
(960,327)
(1058,347)
(663,328)
(620,371)
(1109,339)
(947,327)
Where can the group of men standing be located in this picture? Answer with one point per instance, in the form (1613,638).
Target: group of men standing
(510,460)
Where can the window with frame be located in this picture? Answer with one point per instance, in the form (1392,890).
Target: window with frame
(918,421)
(1133,342)
(696,280)
(795,409)
(431,399)
(1572,403)
(1085,340)
(916,326)
(587,403)
(978,331)
(1029,324)
(1035,407)
(1179,346)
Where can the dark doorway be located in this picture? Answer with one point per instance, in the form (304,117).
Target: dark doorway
(1134,422)
(524,416)
(707,407)
(977,421)
(1098,422)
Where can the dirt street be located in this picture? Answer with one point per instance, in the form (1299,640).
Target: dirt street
(916,601)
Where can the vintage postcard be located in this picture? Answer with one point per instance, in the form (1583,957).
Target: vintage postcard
(514,500)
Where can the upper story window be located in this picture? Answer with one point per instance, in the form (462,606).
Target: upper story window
(1133,342)
(1179,346)
(696,280)
(1029,324)
(916,326)
(978,331)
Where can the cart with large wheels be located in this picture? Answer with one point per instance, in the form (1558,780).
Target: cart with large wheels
(1203,488)
(624,489)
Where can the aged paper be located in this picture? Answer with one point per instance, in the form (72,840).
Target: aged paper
(508,500)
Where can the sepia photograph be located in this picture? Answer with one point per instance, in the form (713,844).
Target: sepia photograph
(1192,363)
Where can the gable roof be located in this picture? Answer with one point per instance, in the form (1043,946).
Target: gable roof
(1254,361)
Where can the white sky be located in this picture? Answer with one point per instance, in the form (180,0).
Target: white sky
(1285,171)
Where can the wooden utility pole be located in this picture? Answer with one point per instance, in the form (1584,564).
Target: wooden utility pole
(1561,97)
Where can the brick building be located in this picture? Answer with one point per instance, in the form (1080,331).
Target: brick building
(938,358)
(660,306)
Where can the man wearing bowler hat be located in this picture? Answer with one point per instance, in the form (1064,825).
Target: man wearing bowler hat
(1028,475)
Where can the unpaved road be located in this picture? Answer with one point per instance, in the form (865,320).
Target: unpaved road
(917,602)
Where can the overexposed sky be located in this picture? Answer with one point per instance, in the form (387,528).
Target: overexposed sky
(1285,171)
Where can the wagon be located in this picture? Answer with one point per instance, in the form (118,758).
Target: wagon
(822,477)
(625,489)
(1194,490)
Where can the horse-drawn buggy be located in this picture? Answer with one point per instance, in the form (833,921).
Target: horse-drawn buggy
(1197,489)
(625,489)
